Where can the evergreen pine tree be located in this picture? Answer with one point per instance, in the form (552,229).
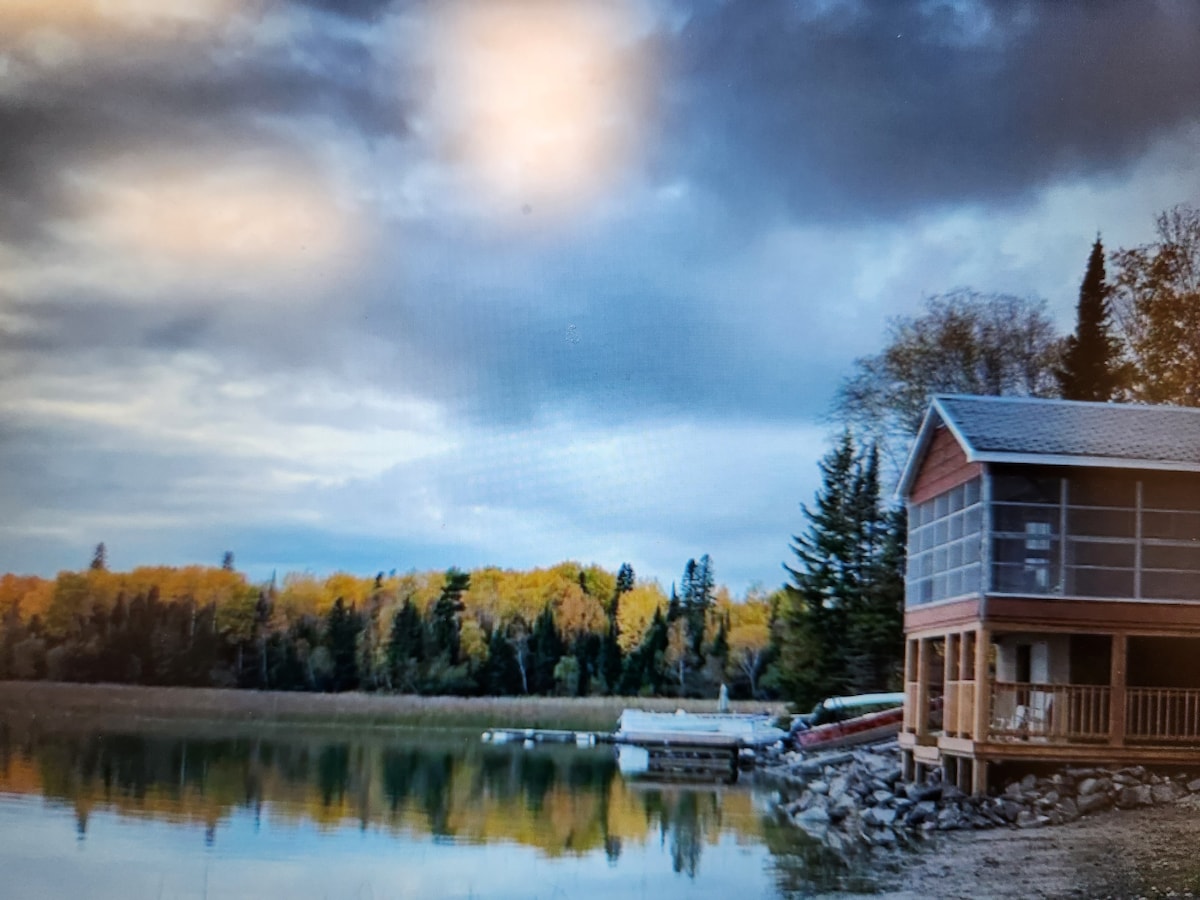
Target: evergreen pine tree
(444,624)
(674,606)
(546,647)
(342,627)
(836,609)
(501,676)
(1090,368)
(625,579)
(100,558)
(406,647)
(701,587)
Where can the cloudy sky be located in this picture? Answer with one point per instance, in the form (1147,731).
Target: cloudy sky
(374,285)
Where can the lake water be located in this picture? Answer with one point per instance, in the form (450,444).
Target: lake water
(178,812)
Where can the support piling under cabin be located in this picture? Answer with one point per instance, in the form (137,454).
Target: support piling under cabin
(1052,604)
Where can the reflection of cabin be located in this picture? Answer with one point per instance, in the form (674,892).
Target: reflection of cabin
(1053,596)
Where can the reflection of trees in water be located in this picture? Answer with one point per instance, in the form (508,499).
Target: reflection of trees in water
(686,840)
(685,817)
(802,865)
(559,799)
(333,773)
(538,774)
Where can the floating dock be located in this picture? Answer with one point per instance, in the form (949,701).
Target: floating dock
(670,745)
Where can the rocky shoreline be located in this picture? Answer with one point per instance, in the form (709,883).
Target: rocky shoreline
(856,799)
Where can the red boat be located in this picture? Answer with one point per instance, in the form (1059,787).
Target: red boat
(834,724)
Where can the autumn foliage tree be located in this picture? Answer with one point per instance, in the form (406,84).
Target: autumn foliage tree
(1157,303)
(567,628)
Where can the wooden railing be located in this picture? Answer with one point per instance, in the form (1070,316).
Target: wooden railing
(1162,714)
(958,709)
(1050,712)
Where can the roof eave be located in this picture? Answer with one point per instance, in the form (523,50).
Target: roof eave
(1090,462)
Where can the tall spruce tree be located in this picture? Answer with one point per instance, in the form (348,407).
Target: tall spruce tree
(699,587)
(444,625)
(342,627)
(546,647)
(837,621)
(406,647)
(1090,367)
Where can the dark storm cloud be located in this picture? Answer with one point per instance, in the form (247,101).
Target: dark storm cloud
(862,111)
(95,327)
(879,109)
(193,101)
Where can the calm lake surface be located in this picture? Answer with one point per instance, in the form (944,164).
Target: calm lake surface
(177,811)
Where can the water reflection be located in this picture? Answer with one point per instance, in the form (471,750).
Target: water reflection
(570,807)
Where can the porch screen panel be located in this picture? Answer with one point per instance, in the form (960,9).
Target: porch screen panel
(1026,529)
(944,535)
(1102,528)
(1170,536)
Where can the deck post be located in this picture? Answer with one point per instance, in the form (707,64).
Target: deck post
(950,678)
(983,688)
(966,714)
(979,777)
(922,711)
(1116,703)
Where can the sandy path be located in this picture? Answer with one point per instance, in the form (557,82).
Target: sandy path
(1135,853)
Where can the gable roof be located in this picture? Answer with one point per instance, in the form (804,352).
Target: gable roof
(1061,432)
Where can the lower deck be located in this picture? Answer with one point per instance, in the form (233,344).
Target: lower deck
(977,695)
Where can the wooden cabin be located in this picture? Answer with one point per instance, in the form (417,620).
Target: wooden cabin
(1052,604)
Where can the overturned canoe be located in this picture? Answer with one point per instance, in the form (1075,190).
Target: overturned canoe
(864,729)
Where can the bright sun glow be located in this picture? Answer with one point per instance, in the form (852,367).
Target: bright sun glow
(540,98)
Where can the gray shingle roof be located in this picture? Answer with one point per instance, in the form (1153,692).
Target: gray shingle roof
(1122,433)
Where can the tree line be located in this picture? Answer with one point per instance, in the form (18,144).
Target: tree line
(569,630)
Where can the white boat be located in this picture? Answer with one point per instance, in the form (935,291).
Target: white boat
(638,726)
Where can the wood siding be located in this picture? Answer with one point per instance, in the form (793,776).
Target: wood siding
(1099,616)
(944,466)
(941,616)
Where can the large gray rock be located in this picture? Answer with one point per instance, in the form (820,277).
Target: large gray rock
(813,815)
(1069,809)
(1166,792)
(1012,809)
(1028,819)
(1093,803)
(1134,796)
(1093,785)
(879,816)
(842,807)
(919,792)
(949,819)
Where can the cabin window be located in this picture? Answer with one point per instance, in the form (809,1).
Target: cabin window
(944,544)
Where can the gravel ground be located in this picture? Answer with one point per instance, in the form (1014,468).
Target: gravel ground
(1149,853)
